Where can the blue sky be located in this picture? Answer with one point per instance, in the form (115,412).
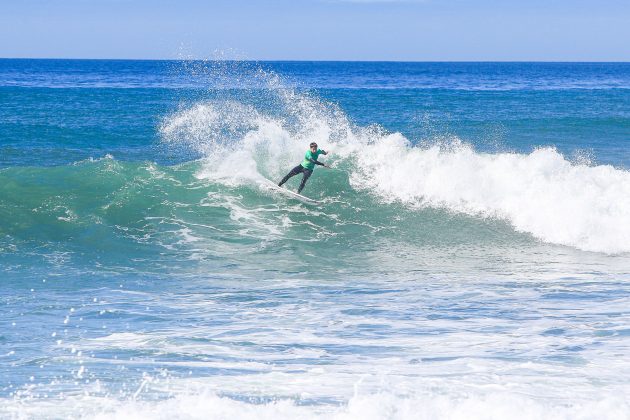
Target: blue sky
(414,30)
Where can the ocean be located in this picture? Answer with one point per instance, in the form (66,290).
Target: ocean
(470,258)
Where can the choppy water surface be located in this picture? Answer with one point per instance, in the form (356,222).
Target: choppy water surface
(471,258)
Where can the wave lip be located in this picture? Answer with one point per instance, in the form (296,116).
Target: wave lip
(541,193)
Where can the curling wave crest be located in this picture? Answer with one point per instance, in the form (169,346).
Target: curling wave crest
(541,193)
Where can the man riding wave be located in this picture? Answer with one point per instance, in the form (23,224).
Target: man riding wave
(307,166)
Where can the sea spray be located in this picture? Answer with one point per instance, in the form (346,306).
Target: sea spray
(541,193)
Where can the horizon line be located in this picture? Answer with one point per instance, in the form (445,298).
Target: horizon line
(318,61)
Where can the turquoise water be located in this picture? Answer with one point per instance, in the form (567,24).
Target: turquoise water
(470,259)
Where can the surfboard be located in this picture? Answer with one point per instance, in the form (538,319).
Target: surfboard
(291,194)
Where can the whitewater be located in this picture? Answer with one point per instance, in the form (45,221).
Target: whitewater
(465,262)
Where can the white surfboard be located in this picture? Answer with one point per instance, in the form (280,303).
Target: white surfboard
(291,194)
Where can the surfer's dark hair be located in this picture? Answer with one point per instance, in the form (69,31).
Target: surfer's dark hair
(313,144)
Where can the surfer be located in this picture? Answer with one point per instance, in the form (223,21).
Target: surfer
(307,165)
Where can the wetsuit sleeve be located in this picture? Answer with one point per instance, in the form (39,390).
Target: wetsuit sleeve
(316,162)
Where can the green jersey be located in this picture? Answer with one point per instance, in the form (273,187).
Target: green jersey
(310,155)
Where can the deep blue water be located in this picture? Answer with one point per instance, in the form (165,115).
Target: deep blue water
(470,257)
(115,106)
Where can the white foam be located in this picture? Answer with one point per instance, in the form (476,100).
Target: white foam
(541,193)
(429,405)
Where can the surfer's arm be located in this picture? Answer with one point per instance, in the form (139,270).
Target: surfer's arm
(316,162)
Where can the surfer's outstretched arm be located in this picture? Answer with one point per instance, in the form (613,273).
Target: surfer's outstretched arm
(317,162)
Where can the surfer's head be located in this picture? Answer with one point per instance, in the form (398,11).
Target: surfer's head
(313,146)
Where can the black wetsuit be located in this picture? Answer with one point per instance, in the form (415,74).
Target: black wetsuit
(300,169)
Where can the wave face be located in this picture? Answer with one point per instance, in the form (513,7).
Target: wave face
(541,193)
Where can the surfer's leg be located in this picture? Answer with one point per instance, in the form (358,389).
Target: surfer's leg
(293,172)
(307,174)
